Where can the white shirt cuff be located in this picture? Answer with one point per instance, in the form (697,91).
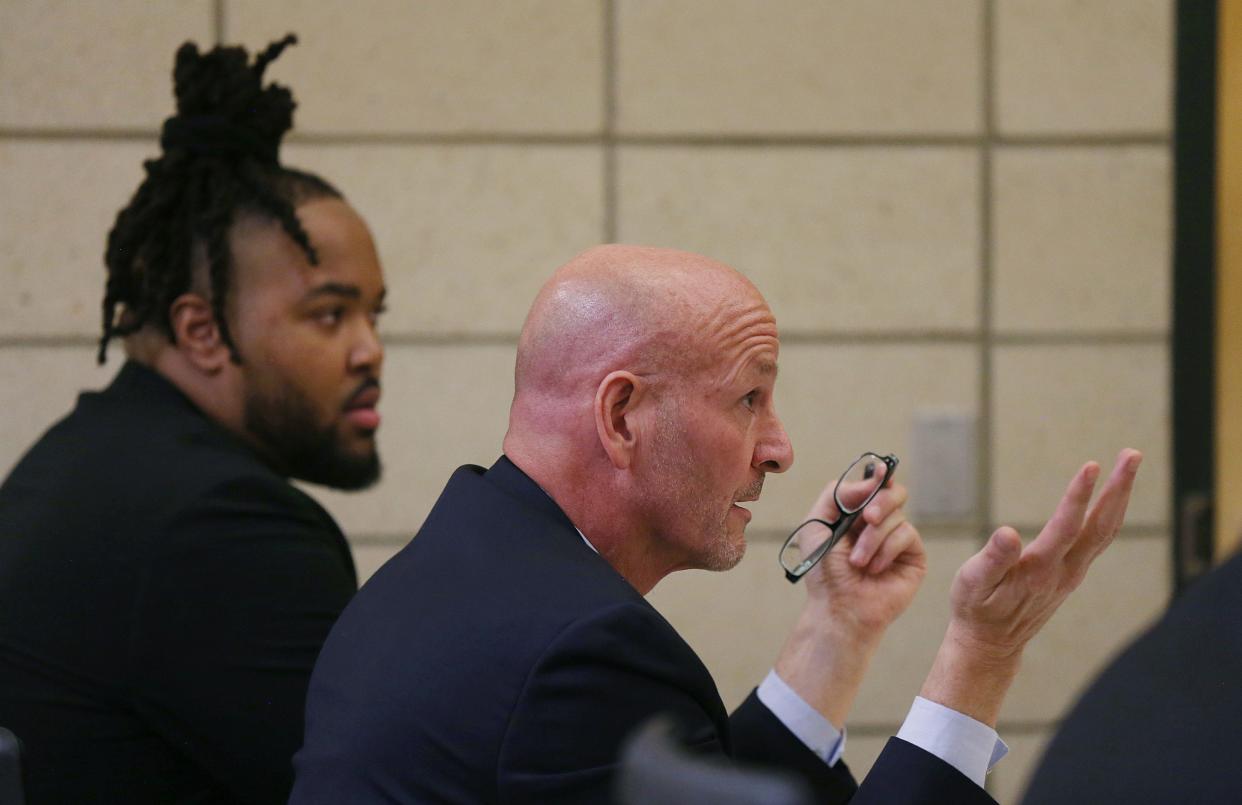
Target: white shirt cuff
(969,746)
(806,723)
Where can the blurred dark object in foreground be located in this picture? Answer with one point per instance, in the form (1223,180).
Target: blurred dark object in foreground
(10,769)
(657,770)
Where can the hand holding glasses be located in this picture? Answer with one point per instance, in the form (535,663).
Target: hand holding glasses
(811,541)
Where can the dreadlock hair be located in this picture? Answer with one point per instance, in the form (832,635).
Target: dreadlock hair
(219,161)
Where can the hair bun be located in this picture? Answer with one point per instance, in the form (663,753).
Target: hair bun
(223,108)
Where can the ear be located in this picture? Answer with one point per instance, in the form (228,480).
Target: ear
(616,403)
(196,334)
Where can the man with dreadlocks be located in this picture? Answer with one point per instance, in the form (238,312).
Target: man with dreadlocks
(164,590)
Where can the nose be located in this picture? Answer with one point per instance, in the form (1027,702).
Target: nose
(774,451)
(367,352)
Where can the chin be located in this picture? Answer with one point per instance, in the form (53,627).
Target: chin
(726,555)
(346,470)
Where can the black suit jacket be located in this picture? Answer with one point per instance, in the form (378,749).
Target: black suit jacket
(1161,724)
(163,596)
(497,658)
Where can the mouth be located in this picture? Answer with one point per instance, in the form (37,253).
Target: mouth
(737,505)
(360,410)
(748,495)
(751,493)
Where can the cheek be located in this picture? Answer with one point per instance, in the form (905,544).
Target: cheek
(308,356)
(721,463)
(287,355)
(732,445)
(258,318)
(297,341)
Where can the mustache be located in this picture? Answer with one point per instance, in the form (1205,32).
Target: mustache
(751,492)
(365,386)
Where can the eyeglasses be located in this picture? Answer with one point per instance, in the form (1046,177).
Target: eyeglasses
(812,540)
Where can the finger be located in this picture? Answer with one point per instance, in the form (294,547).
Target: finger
(872,538)
(1104,521)
(825,506)
(811,535)
(1061,532)
(1110,510)
(887,501)
(903,541)
(854,492)
(984,571)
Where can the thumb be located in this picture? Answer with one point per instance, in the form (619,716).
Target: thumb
(986,569)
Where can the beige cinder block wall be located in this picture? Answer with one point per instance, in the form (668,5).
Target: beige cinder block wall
(960,205)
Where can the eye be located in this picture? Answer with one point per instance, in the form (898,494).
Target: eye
(751,398)
(379,311)
(330,317)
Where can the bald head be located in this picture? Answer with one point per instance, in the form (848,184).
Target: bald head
(643,405)
(659,314)
(634,307)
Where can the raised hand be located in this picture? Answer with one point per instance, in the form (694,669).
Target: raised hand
(872,574)
(1003,595)
(853,594)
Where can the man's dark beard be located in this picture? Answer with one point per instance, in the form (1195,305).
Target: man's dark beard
(285,424)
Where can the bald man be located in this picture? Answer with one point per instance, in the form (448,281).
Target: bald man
(507,651)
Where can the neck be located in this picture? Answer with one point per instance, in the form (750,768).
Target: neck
(210,392)
(218,394)
(598,507)
(637,563)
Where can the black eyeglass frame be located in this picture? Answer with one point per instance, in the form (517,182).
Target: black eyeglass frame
(841,526)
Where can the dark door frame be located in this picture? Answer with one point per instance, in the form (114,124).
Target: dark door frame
(1194,289)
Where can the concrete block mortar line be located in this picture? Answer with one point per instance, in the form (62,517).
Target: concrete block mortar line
(615,139)
(608,135)
(381,540)
(219,21)
(1128,532)
(800,337)
(987,77)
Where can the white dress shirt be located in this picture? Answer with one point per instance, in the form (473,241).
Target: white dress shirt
(969,746)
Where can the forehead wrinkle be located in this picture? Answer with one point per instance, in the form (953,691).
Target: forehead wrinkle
(734,336)
(750,356)
(728,324)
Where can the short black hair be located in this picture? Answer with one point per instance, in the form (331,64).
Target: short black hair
(219,160)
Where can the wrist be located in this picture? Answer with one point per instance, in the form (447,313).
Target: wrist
(824,661)
(971,676)
(841,624)
(842,634)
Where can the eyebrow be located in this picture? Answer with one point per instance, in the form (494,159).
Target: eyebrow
(766,368)
(339,289)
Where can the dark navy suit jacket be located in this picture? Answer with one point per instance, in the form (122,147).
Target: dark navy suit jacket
(1161,724)
(497,658)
